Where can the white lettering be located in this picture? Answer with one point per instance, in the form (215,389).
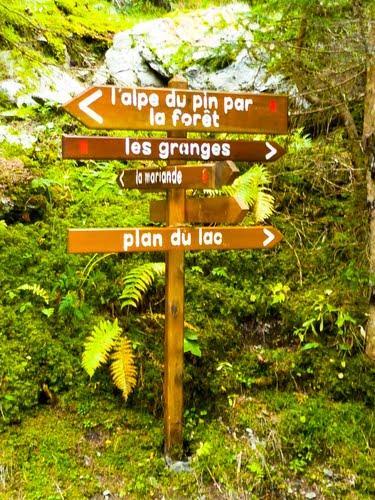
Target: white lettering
(237,103)
(176,238)
(128,241)
(157,118)
(146,148)
(209,238)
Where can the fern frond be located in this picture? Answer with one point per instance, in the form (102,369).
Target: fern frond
(36,290)
(123,368)
(251,188)
(263,207)
(138,281)
(98,345)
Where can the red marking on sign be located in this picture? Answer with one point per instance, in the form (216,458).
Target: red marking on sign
(205,176)
(83,147)
(273,106)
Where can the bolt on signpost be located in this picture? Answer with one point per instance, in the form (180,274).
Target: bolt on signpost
(177,110)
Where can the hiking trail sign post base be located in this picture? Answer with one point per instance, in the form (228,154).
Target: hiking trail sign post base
(177,110)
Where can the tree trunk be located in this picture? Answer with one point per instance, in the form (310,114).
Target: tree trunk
(369,150)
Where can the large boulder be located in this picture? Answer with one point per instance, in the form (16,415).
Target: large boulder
(211,47)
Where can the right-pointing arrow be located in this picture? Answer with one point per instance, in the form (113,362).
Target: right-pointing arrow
(85,106)
(271,151)
(269,237)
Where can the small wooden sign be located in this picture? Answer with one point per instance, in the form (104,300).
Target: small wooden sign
(162,239)
(111,107)
(223,209)
(207,176)
(127,148)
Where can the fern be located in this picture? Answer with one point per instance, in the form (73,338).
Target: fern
(122,368)
(251,188)
(263,206)
(36,290)
(99,344)
(138,281)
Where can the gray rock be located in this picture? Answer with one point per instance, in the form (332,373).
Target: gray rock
(328,473)
(211,47)
(19,138)
(10,88)
(310,495)
(46,84)
(178,466)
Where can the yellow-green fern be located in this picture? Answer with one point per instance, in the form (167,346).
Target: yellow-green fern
(36,290)
(99,344)
(138,281)
(122,368)
(251,188)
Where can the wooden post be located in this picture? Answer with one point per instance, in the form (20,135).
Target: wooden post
(174,317)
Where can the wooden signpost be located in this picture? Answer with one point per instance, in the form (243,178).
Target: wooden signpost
(177,110)
(116,148)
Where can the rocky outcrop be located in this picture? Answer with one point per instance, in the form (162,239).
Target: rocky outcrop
(213,48)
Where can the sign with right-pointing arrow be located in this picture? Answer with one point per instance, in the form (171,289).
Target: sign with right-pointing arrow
(127,148)
(161,239)
(222,209)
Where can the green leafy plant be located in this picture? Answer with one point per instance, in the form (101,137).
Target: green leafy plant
(105,339)
(329,318)
(191,343)
(279,293)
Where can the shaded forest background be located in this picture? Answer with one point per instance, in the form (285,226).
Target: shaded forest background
(279,396)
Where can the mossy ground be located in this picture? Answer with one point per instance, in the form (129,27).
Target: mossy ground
(275,444)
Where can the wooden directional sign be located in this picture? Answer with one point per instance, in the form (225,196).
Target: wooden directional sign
(224,209)
(207,176)
(110,107)
(115,148)
(162,239)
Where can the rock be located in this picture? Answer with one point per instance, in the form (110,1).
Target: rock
(178,466)
(10,88)
(211,47)
(19,138)
(328,473)
(17,202)
(46,84)
(310,495)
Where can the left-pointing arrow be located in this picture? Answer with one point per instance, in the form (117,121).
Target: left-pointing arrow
(85,106)
(121,179)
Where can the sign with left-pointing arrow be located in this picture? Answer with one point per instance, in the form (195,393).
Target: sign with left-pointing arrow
(111,107)
(151,239)
(128,148)
(206,176)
